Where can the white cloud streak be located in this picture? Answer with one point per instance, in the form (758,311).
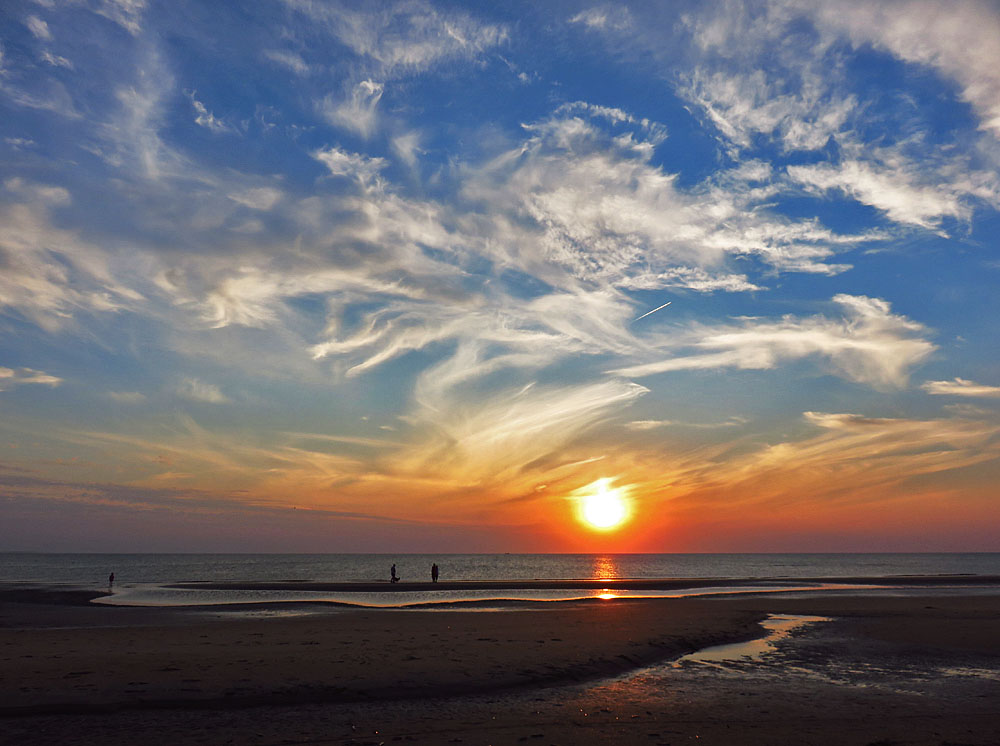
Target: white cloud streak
(394,41)
(354,166)
(48,272)
(39,28)
(604,17)
(578,203)
(205,118)
(891,191)
(961,387)
(10,377)
(289,60)
(960,39)
(257,198)
(403,38)
(358,111)
(126,13)
(195,390)
(496,439)
(869,345)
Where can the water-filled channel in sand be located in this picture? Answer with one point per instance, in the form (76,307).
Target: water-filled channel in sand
(158,595)
(778,626)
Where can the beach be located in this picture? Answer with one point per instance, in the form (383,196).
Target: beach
(922,667)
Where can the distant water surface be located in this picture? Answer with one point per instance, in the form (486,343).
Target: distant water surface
(91,570)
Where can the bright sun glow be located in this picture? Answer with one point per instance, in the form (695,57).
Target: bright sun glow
(603,508)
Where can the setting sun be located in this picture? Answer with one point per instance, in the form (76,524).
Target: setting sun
(602,507)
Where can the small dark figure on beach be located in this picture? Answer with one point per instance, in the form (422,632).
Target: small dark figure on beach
(111,580)
(434,573)
(392,575)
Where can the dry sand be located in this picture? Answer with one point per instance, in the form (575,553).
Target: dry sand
(889,670)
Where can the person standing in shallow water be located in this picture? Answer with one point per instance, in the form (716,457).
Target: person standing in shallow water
(392,574)
(434,573)
(111,580)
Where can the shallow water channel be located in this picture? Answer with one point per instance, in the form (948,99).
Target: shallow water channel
(778,626)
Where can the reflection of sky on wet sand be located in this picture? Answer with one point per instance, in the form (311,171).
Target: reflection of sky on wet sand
(141,594)
(778,626)
(804,674)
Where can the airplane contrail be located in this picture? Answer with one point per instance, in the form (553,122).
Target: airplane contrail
(653,311)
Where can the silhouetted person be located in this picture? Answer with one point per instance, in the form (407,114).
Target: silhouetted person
(434,573)
(392,575)
(111,580)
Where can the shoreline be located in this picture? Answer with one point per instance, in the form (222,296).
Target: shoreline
(75,593)
(46,606)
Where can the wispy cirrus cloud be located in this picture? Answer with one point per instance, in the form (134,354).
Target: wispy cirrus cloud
(10,377)
(393,41)
(648,424)
(776,72)
(287,59)
(745,105)
(361,168)
(205,118)
(388,238)
(587,204)
(498,438)
(51,272)
(39,28)
(643,425)
(849,459)
(57,60)
(357,110)
(126,13)
(961,387)
(401,38)
(961,40)
(201,391)
(869,344)
(257,198)
(602,17)
(894,190)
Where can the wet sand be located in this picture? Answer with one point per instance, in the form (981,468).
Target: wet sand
(206,659)
(913,669)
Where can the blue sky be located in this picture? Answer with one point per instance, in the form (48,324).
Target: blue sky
(331,276)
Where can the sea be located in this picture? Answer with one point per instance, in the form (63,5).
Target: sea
(150,579)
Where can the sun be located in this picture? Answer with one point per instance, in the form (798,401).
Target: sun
(602,507)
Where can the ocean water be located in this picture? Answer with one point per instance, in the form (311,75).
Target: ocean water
(91,570)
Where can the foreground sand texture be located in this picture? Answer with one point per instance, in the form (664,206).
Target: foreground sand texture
(885,670)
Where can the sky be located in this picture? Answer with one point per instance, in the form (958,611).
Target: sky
(311,276)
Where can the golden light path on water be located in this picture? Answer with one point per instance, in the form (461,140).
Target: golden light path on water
(605,569)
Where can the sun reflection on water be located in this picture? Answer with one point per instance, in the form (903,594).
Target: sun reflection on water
(604,568)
